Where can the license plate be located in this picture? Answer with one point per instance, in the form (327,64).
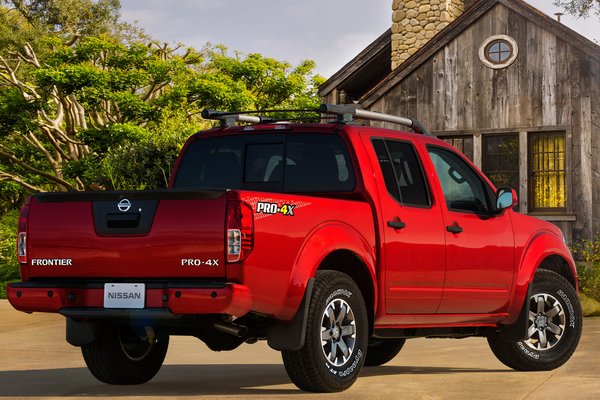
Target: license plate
(124,295)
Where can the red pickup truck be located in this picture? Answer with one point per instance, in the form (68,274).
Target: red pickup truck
(335,242)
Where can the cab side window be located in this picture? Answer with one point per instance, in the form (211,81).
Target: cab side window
(463,189)
(402,172)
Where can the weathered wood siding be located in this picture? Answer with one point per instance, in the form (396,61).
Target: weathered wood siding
(552,85)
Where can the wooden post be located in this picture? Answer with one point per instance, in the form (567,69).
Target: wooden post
(478,150)
(585,202)
(523,173)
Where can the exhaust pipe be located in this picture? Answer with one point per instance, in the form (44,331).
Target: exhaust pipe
(231,328)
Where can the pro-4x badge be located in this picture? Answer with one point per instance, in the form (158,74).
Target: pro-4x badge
(270,207)
(274,208)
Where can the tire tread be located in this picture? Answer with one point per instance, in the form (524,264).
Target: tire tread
(509,354)
(302,365)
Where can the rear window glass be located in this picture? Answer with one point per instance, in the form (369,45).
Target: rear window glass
(313,163)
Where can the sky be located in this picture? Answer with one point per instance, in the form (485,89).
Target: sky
(330,32)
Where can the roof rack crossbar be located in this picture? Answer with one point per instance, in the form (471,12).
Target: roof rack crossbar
(346,113)
(229,119)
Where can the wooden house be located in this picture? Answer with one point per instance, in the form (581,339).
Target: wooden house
(514,89)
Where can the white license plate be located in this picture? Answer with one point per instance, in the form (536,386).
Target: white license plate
(124,295)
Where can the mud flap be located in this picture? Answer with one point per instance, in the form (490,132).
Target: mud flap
(80,333)
(291,335)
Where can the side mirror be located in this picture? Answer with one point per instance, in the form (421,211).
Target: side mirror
(506,198)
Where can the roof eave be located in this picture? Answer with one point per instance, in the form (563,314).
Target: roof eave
(430,48)
(356,63)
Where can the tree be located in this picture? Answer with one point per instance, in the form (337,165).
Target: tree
(69,18)
(579,8)
(64,114)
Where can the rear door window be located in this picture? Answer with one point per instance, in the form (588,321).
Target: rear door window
(402,172)
(317,163)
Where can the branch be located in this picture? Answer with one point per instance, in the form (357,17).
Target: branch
(29,57)
(33,140)
(15,178)
(36,171)
(55,143)
(72,41)
(10,77)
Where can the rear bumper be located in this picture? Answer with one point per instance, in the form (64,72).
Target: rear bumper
(87,300)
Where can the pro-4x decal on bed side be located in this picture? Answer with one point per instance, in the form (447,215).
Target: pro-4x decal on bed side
(266,207)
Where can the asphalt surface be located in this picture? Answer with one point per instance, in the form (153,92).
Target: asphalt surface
(36,361)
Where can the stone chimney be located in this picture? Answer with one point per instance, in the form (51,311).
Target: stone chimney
(415,22)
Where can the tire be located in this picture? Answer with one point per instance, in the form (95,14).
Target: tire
(381,351)
(122,356)
(337,314)
(555,321)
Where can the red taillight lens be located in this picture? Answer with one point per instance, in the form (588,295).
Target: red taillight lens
(240,231)
(22,233)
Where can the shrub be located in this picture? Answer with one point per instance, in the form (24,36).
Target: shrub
(9,266)
(588,251)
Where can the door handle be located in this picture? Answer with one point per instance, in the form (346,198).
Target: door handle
(396,224)
(454,229)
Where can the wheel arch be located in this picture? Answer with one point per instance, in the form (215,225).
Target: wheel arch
(327,247)
(544,250)
(558,264)
(350,264)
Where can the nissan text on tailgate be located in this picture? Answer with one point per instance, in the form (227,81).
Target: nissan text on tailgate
(335,242)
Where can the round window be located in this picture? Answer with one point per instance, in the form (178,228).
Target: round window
(498,51)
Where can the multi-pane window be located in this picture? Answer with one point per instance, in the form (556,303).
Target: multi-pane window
(498,51)
(547,186)
(501,160)
(295,163)
(464,144)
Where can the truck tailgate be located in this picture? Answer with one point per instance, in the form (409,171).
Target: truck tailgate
(142,234)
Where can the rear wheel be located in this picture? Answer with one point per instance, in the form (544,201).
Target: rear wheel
(124,355)
(336,336)
(381,351)
(555,321)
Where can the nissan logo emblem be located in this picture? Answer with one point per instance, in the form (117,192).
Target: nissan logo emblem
(124,205)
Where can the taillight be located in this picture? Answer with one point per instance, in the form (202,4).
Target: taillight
(22,233)
(22,247)
(240,231)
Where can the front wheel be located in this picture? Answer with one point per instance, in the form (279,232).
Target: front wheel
(124,355)
(336,336)
(555,321)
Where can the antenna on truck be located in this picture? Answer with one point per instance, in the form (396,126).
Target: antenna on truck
(345,113)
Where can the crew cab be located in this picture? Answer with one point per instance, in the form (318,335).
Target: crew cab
(335,242)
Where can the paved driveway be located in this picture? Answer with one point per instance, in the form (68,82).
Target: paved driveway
(36,361)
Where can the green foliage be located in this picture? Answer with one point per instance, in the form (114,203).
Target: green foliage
(140,166)
(147,163)
(81,17)
(588,251)
(9,266)
(579,8)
